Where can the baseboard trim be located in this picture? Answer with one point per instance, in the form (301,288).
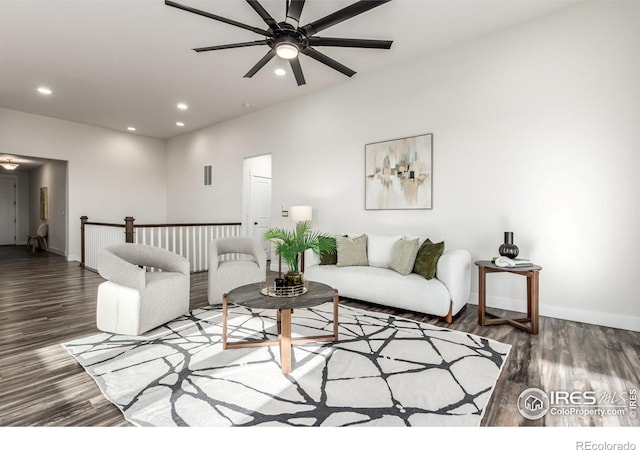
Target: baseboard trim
(56,251)
(605,319)
(72,258)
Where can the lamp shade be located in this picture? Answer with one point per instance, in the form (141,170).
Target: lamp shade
(300,213)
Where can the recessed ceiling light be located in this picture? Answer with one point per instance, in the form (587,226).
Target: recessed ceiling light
(180,124)
(44,90)
(131,128)
(182,106)
(280,71)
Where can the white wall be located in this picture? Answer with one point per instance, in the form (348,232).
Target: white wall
(188,200)
(53,175)
(535,132)
(111,175)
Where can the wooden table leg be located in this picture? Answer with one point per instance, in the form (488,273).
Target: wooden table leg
(285,341)
(529,286)
(532,301)
(279,322)
(335,315)
(224,322)
(482,294)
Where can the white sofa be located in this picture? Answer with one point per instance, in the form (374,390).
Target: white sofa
(444,295)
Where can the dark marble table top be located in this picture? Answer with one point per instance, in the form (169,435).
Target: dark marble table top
(491,265)
(249,296)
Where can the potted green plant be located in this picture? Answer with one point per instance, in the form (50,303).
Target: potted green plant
(290,244)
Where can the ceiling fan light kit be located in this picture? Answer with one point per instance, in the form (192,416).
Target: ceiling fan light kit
(287,39)
(286,50)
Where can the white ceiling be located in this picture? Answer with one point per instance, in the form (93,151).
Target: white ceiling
(116,63)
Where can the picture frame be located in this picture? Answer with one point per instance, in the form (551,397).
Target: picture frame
(399,173)
(44,203)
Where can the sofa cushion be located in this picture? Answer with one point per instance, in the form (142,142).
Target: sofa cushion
(403,256)
(379,249)
(385,287)
(326,258)
(352,252)
(427,259)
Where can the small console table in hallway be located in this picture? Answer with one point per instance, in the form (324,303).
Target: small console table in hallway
(532,274)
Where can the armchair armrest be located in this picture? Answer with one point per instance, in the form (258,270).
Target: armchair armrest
(168,261)
(454,270)
(240,245)
(119,271)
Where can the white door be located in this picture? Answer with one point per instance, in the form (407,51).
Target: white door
(7,211)
(260,209)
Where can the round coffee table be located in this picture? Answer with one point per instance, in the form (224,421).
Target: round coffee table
(249,296)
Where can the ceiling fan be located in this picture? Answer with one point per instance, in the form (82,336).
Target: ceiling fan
(288,39)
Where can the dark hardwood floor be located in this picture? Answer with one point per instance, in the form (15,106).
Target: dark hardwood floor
(45,301)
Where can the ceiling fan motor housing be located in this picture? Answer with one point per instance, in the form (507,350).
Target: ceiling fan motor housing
(287,34)
(287,39)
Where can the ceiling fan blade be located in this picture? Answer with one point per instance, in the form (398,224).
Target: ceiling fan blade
(214,17)
(342,15)
(270,21)
(324,59)
(260,64)
(345,42)
(294,9)
(297,71)
(225,46)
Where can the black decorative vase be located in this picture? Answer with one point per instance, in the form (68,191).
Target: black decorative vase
(508,249)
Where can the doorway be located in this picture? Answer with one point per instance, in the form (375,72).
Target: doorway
(7,210)
(257,198)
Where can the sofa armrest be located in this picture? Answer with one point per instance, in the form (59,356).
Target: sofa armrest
(310,259)
(454,270)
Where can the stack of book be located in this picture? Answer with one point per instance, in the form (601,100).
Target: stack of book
(503,261)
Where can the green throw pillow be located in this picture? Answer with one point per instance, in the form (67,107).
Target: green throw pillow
(329,258)
(403,256)
(427,259)
(352,252)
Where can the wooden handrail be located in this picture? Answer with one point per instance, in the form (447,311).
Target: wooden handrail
(158,225)
(130,226)
(102,224)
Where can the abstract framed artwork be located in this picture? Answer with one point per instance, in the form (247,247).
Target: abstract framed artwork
(44,203)
(399,173)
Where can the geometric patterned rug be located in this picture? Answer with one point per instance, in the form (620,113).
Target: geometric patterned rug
(384,371)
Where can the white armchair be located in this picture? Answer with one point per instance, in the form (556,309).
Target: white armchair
(227,275)
(133,300)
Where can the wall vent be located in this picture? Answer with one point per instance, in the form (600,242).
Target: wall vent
(208,181)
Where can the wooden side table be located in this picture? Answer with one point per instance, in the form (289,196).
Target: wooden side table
(532,274)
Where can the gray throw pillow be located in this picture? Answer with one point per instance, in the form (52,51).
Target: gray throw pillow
(403,256)
(352,252)
(427,259)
